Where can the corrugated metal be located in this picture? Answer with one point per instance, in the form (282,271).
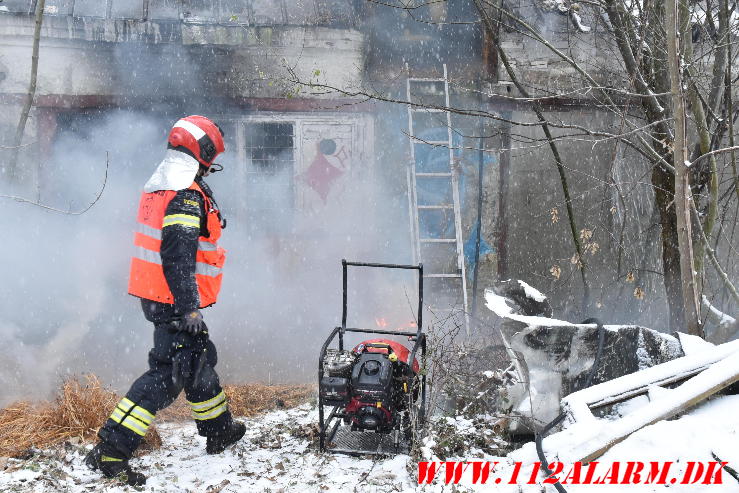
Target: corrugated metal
(202,10)
(302,12)
(126,9)
(335,12)
(267,12)
(18,5)
(90,8)
(58,7)
(164,10)
(246,12)
(236,11)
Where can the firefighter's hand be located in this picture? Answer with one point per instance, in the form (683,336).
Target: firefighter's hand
(192,322)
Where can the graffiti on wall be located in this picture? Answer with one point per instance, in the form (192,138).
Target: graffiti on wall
(326,165)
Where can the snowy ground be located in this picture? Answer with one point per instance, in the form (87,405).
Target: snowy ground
(273,456)
(276,456)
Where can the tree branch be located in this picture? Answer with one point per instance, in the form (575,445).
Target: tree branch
(71,213)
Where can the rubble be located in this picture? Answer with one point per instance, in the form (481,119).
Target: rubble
(587,438)
(557,355)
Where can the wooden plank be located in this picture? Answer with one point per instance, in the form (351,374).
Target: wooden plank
(715,378)
(637,383)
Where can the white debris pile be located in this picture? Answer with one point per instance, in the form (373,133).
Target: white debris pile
(588,437)
(498,304)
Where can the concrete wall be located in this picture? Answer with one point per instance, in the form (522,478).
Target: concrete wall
(97,57)
(87,62)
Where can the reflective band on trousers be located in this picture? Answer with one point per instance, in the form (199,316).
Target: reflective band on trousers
(133,417)
(139,412)
(155,258)
(210,409)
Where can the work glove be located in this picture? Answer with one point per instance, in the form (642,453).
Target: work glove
(192,322)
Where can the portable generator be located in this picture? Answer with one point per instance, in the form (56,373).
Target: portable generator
(375,390)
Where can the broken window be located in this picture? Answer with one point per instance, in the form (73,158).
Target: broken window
(270,169)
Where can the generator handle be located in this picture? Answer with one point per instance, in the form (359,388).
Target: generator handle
(419,268)
(380,345)
(321,422)
(421,341)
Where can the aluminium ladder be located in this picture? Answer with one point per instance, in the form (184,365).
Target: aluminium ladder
(432,247)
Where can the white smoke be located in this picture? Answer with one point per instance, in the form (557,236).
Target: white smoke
(64,302)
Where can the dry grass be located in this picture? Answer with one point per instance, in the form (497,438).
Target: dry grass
(77,412)
(247,400)
(83,405)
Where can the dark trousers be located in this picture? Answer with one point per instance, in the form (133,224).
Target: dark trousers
(156,389)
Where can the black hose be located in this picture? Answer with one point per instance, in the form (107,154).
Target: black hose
(588,382)
(480,169)
(598,353)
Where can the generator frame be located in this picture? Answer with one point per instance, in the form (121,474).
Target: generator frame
(328,426)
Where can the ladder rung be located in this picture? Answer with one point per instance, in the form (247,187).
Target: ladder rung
(429,175)
(438,240)
(443,275)
(428,110)
(444,206)
(431,142)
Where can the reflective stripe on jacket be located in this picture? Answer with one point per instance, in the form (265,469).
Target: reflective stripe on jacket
(147,276)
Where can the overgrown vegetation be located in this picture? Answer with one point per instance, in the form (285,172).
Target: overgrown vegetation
(83,404)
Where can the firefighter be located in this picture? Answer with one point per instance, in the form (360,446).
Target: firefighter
(176,272)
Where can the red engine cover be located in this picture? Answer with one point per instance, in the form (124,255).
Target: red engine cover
(403,352)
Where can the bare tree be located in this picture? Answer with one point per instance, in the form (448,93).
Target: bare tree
(637,88)
(682,178)
(28,103)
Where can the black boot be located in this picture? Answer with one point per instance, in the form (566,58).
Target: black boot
(232,434)
(113,464)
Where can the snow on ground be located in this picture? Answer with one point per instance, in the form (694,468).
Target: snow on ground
(711,428)
(276,456)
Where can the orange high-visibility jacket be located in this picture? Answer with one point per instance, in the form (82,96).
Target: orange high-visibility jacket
(147,276)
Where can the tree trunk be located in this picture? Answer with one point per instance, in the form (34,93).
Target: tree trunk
(664,184)
(20,130)
(683,193)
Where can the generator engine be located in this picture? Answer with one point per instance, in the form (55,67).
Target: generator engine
(371,383)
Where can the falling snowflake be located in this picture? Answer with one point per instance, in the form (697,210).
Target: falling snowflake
(556,271)
(639,293)
(630,277)
(555,215)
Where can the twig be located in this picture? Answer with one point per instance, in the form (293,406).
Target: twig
(712,255)
(71,213)
(732,472)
